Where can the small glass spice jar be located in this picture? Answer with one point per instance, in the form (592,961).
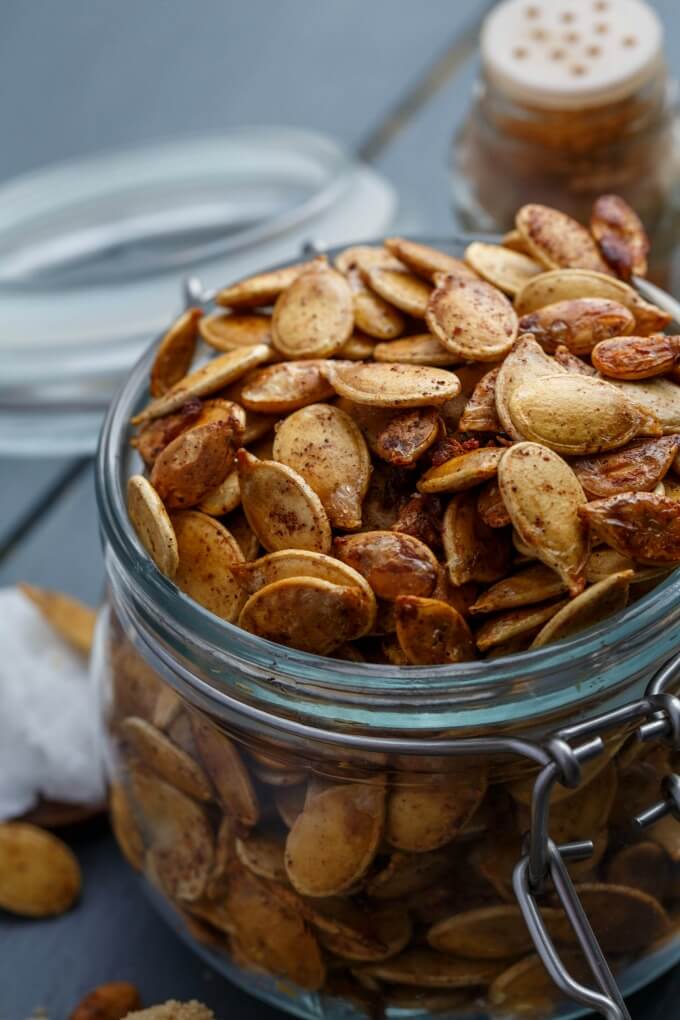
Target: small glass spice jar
(574,101)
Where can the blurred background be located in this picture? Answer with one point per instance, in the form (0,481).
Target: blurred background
(391,83)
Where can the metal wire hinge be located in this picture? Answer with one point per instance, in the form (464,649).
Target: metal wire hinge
(543,863)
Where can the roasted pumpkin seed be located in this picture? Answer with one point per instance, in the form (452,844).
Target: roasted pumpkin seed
(426,968)
(223,763)
(636,357)
(158,754)
(71,619)
(474,552)
(536,583)
(644,866)
(592,606)
(637,524)
(307,613)
(313,317)
(557,240)
(543,498)
(573,414)
(285,387)
(272,934)
(480,413)
(39,874)
(472,319)
(578,323)
(463,472)
(125,827)
(211,377)
(424,260)
(506,269)
(393,563)
(326,448)
(430,631)
(112,1001)
(421,349)
(638,467)
(334,839)
(206,552)
(227,332)
(392,385)
(405,435)
(282,509)
(428,812)
(262,851)
(264,288)
(175,353)
(178,832)
(621,236)
(491,933)
(527,361)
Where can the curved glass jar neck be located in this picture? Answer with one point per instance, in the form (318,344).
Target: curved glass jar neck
(232,673)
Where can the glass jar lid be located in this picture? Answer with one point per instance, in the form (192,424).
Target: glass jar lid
(93,255)
(571,55)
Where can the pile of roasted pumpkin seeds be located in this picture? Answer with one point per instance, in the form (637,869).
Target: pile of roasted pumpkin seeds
(411,458)
(367,880)
(408,458)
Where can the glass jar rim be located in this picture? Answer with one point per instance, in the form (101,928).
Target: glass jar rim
(555,678)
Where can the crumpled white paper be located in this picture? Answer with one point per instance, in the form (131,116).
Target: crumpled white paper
(50,736)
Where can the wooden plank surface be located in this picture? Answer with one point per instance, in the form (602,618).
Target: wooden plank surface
(107,74)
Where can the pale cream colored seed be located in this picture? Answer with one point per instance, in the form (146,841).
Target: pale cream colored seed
(424,260)
(227,332)
(506,269)
(212,376)
(542,496)
(313,317)
(264,288)
(150,520)
(526,361)
(472,319)
(399,288)
(556,240)
(422,349)
(393,385)
(573,414)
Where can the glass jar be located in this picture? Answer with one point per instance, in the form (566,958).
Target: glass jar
(521,143)
(308,827)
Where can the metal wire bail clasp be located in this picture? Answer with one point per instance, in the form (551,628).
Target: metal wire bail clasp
(543,863)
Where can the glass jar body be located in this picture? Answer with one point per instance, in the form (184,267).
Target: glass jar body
(335,880)
(301,823)
(507,154)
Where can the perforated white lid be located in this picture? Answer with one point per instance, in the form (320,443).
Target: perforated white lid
(566,54)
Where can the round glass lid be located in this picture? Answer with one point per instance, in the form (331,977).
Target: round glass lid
(93,255)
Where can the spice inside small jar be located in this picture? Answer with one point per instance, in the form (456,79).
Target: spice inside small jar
(573,101)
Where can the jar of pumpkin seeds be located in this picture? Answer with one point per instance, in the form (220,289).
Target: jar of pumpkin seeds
(337,826)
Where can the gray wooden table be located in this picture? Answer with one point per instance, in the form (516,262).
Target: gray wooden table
(390,79)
